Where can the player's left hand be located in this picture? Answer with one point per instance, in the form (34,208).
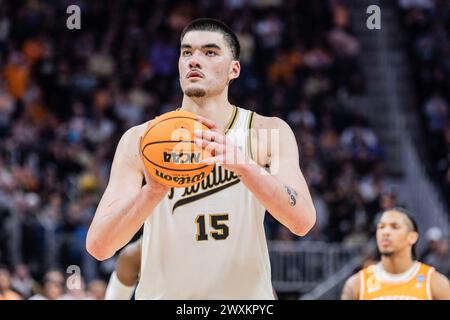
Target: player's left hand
(219,145)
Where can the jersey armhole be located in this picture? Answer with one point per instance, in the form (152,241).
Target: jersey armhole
(249,135)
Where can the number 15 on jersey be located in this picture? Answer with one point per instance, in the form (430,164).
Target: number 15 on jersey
(217,226)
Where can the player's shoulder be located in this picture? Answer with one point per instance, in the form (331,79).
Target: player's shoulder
(438,278)
(136,131)
(440,286)
(264,122)
(132,135)
(353,281)
(128,145)
(264,131)
(424,265)
(350,291)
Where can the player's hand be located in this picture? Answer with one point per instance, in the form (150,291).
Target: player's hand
(152,187)
(222,149)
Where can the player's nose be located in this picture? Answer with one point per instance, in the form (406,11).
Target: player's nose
(194,62)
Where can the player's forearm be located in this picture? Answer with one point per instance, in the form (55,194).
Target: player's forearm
(114,228)
(295,210)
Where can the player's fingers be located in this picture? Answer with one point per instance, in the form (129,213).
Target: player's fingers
(210,135)
(213,160)
(211,147)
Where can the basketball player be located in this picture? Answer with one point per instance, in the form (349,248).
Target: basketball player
(125,277)
(398,276)
(206,241)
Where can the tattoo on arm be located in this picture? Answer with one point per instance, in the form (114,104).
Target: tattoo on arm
(292,195)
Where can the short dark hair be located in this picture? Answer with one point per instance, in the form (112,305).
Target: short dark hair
(414,224)
(208,24)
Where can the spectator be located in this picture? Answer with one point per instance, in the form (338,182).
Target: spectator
(6,292)
(96,289)
(428,39)
(439,256)
(436,110)
(17,73)
(22,282)
(51,291)
(76,290)
(424,4)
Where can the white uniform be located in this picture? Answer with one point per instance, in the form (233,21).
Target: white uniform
(207,241)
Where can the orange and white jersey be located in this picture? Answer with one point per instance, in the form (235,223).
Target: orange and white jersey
(413,284)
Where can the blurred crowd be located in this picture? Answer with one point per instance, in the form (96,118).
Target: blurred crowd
(66,97)
(437,252)
(55,286)
(428,28)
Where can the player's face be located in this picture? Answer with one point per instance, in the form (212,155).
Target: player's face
(206,65)
(394,233)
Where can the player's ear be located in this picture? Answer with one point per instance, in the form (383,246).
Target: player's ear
(413,237)
(235,70)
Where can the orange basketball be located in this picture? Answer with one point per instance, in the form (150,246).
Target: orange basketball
(169,151)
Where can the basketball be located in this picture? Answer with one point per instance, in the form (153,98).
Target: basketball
(169,151)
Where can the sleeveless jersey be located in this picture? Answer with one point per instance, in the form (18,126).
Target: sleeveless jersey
(207,241)
(414,284)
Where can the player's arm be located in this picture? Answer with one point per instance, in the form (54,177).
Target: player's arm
(125,204)
(351,288)
(125,276)
(440,286)
(284,192)
(128,264)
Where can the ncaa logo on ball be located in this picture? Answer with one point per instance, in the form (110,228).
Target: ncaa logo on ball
(182,157)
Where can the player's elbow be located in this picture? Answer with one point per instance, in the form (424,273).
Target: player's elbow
(95,248)
(97,252)
(304,222)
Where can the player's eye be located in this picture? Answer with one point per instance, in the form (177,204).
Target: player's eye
(211,53)
(185,53)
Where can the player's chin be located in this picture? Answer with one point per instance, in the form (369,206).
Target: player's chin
(386,252)
(195,91)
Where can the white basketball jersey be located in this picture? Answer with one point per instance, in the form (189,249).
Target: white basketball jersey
(207,241)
